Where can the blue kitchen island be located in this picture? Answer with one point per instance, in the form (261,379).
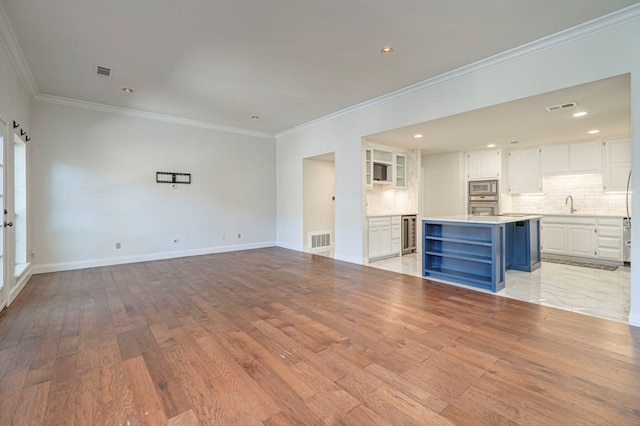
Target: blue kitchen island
(477,250)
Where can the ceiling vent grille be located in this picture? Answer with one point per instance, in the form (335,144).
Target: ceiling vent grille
(561,106)
(103,71)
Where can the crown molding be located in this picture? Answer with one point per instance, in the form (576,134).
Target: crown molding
(622,16)
(94,106)
(10,42)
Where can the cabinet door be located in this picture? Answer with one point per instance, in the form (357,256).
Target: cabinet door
(584,157)
(617,164)
(524,171)
(400,172)
(555,159)
(553,238)
(385,241)
(484,164)
(374,242)
(368,168)
(581,241)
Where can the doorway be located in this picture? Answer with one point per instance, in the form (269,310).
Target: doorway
(319,204)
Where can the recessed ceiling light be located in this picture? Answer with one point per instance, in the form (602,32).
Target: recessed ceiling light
(127,90)
(386,50)
(593,132)
(580,114)
(418,136)
(491,145)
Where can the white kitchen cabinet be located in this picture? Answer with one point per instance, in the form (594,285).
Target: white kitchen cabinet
(555,159)
(384,237)
(609,242)
(577,157)
(368,168)
(581,240)
(616,164)
(584,157)
(553,238)
(583,236)
(485,164)
(524,171)
(400,171)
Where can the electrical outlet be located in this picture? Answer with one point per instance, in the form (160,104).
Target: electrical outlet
(239,235)
(118,246)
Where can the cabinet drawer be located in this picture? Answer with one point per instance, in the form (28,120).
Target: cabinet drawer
(396,231)
(380,221)
(396,220)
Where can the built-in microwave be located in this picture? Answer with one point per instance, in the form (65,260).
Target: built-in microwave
(381,172)
(483,187)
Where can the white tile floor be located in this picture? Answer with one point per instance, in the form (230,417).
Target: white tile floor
(589,291)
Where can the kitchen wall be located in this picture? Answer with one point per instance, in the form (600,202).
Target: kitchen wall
(586,190)
(93,185)
(383,199)
(444,184)
(578,56)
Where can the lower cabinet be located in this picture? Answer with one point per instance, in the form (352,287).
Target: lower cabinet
(588,237)
(385,237)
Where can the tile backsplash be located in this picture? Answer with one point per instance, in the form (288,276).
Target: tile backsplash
(586,190)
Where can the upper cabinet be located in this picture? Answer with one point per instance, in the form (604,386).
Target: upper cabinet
(400,175)
(578,157)
(524,171)
(616,164)
(368,168)
(385,167)
(485,164)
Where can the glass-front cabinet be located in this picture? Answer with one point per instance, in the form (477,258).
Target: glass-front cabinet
(400,180)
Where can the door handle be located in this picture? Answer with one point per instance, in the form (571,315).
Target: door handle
(8,224)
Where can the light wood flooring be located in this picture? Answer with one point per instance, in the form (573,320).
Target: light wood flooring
(278,337)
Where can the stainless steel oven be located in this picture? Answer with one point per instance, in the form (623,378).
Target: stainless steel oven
(484,198)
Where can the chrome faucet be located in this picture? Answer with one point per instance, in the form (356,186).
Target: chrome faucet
(566,200)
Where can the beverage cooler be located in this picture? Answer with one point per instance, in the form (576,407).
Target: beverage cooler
(409,237)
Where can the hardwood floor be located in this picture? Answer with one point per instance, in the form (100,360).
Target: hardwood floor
(277,337)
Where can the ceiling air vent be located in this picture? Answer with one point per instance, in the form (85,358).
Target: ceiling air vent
(561,106)
(103,71)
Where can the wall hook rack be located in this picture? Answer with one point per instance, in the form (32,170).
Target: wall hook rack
(22,132)
(15,124)
(173,177)
(27,138)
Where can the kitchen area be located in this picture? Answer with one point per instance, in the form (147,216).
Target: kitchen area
(567,188)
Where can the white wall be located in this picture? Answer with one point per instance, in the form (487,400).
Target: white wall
(93,184)
(319,187)
(444,184)
(541,68)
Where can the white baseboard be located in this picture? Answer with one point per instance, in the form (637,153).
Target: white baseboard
(22,280)
(296,247)
(93,263)
(634,319)
(350,259)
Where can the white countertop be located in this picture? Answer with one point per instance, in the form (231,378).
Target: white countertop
(493,220)
(391,215)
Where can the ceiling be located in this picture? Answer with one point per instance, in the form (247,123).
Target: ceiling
(286,62)
(525,122)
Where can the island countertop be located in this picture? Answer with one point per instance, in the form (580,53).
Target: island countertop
(493,220)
